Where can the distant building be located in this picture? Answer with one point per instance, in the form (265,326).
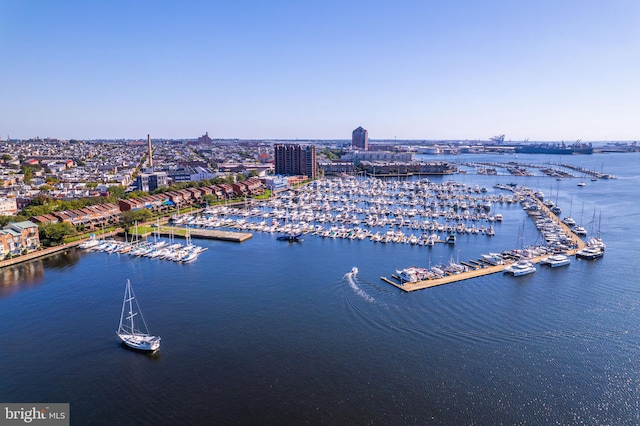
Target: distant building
(204,139)
(336,167)
(151,181)
(360,138)
(292,159)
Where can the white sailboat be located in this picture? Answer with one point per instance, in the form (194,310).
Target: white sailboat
(132,331)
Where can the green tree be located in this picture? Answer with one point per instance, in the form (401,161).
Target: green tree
(210,199)
(28,174)
(54,233)
(116,192)
(40,200)
(5,220)
(133,216)
(136,194)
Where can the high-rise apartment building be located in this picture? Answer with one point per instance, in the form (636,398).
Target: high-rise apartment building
(291,159)
(360,139)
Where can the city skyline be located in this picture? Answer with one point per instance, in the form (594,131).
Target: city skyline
(292,70)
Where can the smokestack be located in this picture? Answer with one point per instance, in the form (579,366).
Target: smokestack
(150,155)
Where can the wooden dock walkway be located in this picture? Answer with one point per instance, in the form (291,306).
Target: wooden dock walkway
(453,278)
(480,269)
(209,234)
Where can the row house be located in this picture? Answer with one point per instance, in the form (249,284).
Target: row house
(89,216)
(18,237)
(152,202)
(189,196)
(249,187)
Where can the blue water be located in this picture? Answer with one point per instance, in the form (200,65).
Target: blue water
(267,332)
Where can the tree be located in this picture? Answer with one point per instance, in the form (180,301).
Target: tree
(54,233)
(135,194)
(6,157)
(28,174)
(210,198)
(116,192)
(133,216)
(40,200)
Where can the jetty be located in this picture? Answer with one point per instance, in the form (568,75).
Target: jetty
(480,267)
(453,278)
(209,234)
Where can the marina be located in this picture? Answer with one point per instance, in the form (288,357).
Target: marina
(271,319)
(417,212)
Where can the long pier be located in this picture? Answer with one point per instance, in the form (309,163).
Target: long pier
(480,269)
(209,234)
(453,278)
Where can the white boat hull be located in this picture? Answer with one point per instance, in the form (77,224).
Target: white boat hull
(141,343)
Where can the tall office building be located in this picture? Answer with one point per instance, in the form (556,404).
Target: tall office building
(294,159)
(360,139)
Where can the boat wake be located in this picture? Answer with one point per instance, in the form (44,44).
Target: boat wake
(351,278)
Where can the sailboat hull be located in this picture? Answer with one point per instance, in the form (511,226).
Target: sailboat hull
(140,343)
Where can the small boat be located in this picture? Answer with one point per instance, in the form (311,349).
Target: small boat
(582,184)
(521,267)
(292,238)
(354,271)
(131,331)
(556,260)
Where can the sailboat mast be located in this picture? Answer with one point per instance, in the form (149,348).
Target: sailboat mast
(133,330)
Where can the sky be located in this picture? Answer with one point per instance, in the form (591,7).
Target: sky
(309,69)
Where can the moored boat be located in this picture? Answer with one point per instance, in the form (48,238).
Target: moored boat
(590,253)
(556,260)
(521,267)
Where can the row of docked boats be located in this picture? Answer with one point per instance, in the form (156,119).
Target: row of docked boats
(158,249)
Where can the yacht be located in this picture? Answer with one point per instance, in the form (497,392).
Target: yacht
(569,221)
(493,259)
(590,253)
(556,260)
(521,267)
(413,274)
(579,230)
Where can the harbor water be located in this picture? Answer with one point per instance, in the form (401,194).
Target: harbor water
(272,332)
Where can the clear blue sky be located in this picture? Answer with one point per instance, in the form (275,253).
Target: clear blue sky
(424,69)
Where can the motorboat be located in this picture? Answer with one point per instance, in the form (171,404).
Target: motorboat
(521,267)
(556,260)
(590,253)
